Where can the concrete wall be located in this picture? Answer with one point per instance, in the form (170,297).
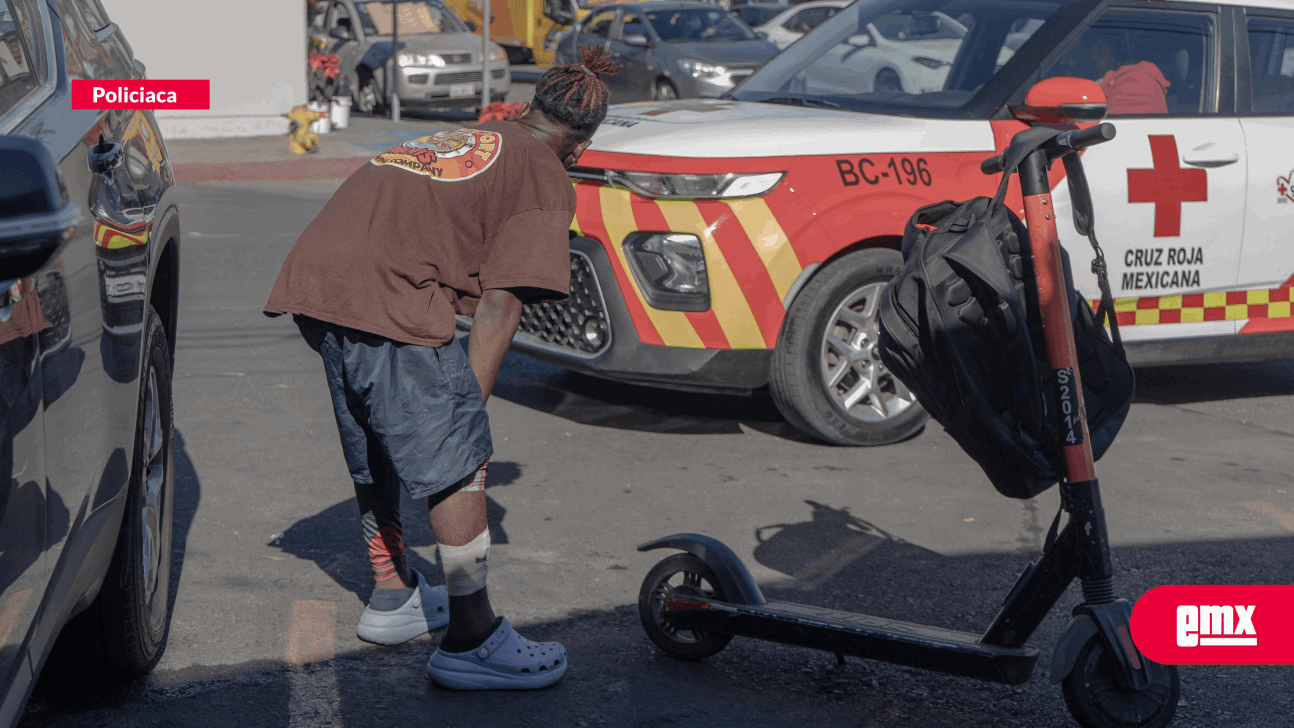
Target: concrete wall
(253,51)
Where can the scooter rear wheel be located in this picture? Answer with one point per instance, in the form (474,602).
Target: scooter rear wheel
(1094,698)
(679,575)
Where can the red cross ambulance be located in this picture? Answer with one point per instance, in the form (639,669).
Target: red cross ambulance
(737,243)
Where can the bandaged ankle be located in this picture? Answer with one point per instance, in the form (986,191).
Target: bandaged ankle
(466,566)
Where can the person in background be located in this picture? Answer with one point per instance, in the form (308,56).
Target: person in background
(1133,88)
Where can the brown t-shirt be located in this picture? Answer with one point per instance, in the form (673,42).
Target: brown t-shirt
(420,232)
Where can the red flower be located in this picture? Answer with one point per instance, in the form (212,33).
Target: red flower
(330,64)
(500,111)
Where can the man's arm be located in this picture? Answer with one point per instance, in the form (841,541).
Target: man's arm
(495,322)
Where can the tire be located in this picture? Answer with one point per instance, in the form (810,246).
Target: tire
(865,404)
(697,580)
(367,97)
(887,80)
(123,632)
(664,91)
(1095,700)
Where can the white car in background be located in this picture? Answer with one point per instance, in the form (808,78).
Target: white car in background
(787,26)
(900,52)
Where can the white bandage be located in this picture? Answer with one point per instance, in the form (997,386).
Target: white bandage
(466,566)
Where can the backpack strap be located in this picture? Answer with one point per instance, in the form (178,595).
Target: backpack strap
(1081,199)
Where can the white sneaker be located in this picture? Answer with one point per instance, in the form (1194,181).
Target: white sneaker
(426,610)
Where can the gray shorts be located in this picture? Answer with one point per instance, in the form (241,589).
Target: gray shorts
(410,412)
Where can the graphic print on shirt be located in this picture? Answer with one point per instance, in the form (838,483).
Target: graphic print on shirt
(447,156)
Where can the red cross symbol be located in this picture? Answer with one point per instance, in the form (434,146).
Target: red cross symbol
(1168,186)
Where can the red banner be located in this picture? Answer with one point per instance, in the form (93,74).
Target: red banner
(151,94)
(1216,625)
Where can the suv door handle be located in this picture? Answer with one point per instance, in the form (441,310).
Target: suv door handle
(105,157)
(1209,156)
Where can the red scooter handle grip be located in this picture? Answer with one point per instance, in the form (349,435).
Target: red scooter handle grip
(1070,141)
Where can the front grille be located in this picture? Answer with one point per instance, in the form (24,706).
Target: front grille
(580,322)
(420,78)
(445,79)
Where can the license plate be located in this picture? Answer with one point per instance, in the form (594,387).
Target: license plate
(460,90)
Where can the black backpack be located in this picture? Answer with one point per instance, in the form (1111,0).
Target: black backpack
(960,327)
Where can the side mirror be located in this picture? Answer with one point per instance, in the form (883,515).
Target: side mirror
(637,40)
(36,218)
(339,33)
(1062,100)
(861,40)
(556,11)
(470,25)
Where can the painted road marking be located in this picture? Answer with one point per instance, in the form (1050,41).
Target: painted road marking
(314,700)
(1281,517)
(14,607)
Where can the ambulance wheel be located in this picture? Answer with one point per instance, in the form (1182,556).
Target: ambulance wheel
(1094,698)
(665,91)
(826,376)
(680,575)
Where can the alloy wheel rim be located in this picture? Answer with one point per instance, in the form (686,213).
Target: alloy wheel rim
(665,92)
(691,586)
(151,509)
(850,363)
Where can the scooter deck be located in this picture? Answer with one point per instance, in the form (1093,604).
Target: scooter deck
(859,635)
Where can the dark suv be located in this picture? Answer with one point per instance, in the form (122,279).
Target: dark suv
(89,266)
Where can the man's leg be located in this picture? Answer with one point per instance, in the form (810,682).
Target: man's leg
(458,519)
(379,509)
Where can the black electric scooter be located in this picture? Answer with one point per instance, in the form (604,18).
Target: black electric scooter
(692,604)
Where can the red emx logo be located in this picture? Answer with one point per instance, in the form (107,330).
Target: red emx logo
(1216,625)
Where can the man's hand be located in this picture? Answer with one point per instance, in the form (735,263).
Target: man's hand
(495,322)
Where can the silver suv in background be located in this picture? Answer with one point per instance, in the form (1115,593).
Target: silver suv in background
(669,50)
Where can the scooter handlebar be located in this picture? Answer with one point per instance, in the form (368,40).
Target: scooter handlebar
(1071,141)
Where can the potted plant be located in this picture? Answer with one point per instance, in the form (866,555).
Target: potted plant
(325,72)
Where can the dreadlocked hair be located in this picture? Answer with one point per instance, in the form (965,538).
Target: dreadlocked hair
(574,95)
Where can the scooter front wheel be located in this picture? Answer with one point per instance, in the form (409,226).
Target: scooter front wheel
(680,575)
(1095,699)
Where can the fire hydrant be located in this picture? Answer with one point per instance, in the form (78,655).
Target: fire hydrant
(300,138)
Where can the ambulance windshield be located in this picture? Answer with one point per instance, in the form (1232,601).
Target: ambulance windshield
(875,54)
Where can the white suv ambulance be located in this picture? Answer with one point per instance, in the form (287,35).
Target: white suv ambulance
(735,243)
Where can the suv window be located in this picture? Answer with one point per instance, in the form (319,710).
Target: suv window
(600,25)
(1148,61)
(1271,58)
(86,57)
(18,76)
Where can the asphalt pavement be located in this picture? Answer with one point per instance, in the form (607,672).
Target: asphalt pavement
(270,572)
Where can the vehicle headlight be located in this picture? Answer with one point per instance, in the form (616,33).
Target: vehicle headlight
(498,54)
(701,69)
(670,269)
(692,186)
(930,62)
(420,59)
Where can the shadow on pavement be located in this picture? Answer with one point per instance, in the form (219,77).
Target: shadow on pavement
(333,541)
(618,678)
(588,400)
(1211,382)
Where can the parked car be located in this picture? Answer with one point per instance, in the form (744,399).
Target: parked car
(740,243)
(439,56)
(90,259)
(757,15)
(669,50)
(787,26)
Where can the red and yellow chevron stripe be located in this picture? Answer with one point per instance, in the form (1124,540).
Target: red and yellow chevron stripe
(749,259)
(1266,309)
(112,238)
